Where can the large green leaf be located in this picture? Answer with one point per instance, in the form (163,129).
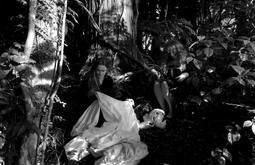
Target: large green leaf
(252,44)
(238,69)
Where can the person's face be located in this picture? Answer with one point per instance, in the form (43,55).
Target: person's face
(101,71)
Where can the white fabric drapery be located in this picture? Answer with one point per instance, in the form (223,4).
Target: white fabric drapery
(117,141)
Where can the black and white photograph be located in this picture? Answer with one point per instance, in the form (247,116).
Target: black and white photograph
(127,82)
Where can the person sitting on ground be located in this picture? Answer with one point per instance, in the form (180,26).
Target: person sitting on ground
(96,79)
(172,65)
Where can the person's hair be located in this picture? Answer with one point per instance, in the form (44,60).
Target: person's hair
(92,81)
(100,61)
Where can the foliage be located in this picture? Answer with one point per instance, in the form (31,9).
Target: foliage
(221,71)
(156,34)
(217,65)
(220,65)
(55,141)
(237,15)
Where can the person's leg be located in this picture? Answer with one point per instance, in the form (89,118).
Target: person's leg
(168,98)
(158,94)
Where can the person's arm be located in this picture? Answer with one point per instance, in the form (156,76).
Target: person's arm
(87,88)
(107,86)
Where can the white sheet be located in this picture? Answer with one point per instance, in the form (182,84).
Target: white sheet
(117,141)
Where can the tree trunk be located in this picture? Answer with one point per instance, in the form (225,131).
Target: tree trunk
(118,21)
(44,46)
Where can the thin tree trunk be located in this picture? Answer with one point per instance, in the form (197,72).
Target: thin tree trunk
(28,148)
(57,79)
(44,45)
(118,21)
(31,29)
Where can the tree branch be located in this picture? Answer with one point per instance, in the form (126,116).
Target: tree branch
(90,16)
(115,48)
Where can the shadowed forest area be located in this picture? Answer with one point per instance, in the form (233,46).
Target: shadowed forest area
(204,50)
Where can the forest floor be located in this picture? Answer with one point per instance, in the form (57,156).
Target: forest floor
(182,142)
(189,137)
(188,140)
(191,140)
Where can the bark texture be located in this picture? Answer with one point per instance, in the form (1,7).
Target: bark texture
(44,46)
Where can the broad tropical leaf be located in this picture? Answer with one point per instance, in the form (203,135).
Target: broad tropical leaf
(238,69)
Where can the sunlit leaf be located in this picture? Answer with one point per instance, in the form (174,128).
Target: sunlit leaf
(200,38)
(230,140)
(247,123)
(238,69)
(202,93)
(253,128)
(211,69)
(234,52)
(245,42)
